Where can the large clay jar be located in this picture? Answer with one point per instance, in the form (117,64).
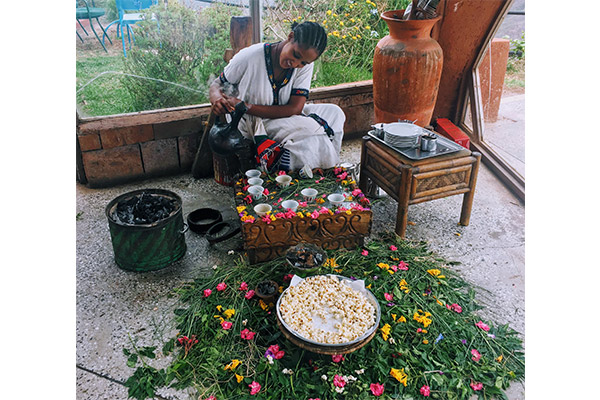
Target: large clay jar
(407,67)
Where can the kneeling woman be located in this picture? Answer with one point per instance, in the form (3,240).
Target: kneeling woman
(273,79)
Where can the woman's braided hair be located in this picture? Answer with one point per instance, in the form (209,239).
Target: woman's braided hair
(311,35)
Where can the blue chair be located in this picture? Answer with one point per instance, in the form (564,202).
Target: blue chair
(128,18)
(84,11)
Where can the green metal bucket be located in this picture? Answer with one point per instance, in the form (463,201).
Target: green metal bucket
(147,247)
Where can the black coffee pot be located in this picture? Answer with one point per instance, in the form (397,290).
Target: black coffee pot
(225,139)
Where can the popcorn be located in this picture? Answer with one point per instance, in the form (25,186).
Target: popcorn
(325,298)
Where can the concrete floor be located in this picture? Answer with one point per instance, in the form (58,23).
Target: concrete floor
(115,307)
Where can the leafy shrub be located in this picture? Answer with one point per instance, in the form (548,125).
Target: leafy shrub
(173,64)
(354,26)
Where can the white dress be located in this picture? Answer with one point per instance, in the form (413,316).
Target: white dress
(303,137)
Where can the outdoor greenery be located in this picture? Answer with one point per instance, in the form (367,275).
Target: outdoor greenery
(173,65)
(430,342)
(515,68)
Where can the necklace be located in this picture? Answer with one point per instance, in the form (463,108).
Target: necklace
(279,76)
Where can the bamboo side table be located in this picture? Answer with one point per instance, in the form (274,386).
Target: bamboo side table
(411,182)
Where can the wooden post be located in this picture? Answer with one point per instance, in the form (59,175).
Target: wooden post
(256,15)
(240,33)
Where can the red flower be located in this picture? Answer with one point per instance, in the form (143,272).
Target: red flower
(483,326)
(249,294)
(337,358)
(243,286)
(221,286)
(425,391)
(226,325)
(207,292)
(247,334)
(376,389)
(476,385)
(339,381)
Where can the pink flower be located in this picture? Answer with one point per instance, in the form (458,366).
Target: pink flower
(302,203)
(343,176)
(288,277)
(281,173)
(274,352)
(388,296)
(243,286)
(266,192)
(247,334)
(226,325)
(394,268)
(314,398)
(483,326)
(476,356)
(393,248)
(266,219)
(207,292)
(279,215)
(337,358)
(211,398)
(454,307)
(356,192)
(403,266)
(339,381)
(314,214)
(476,385)
(365,252)
(221,286)
(425,391)
(254,387)
(376,389)
(249,294)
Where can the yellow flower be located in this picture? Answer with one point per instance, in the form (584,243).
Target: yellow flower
(348,212)
(369,286)
(229,313)
(353,37)
(232,365)
(239,378)
(434,272)
(358,36)
(328,12)
(499,358)
(331,263)
(286,20)
(383,266)
(394,317)
(220,308)
(272,217)
(423,318)
(400,375)
(368,27)
(280,289)
(425,341)
(401,319)
(341,23)
(385,331)
(300,214)
(343,36)
(320,200)
(352,19)
(338,270)
(263,305)
(240,208)
(324,22)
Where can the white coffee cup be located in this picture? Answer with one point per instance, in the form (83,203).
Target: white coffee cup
(283,180)
(289,204)
(336,199)
(262,209)
(306,172)
(309,194)
(255,182)
(253,173)
(256,192)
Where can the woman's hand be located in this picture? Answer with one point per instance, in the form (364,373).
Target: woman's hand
(224,104)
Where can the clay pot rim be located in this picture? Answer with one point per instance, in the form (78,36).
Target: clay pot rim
(387,16)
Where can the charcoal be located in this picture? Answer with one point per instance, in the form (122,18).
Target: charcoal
(144,209)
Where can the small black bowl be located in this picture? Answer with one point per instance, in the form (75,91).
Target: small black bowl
(202,219)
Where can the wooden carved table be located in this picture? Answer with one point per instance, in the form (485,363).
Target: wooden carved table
(410,182)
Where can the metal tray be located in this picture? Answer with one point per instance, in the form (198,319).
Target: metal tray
(370,298)
(444,146)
